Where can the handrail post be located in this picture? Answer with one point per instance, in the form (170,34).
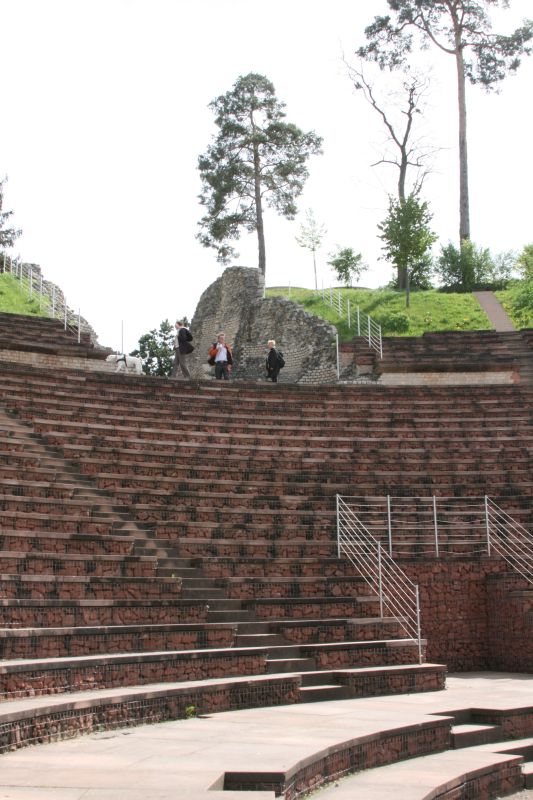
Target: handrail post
(436,526)
(31,281)
(337,351)
(358,321)
(349,317)
(380,582)
(389,524)
(487,523)
(417,596)
(369,334)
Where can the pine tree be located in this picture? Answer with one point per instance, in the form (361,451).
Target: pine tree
(256,157)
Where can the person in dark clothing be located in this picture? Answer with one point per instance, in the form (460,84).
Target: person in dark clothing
(182,348)
(272,361)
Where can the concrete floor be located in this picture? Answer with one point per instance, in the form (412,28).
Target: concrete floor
(183,759)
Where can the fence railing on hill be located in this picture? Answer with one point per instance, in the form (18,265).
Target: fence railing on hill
(438,526)
(398,595)
(50,299)
(361,323)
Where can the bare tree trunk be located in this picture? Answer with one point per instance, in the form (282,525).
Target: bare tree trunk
(464,204)
(314,267)
(259,212)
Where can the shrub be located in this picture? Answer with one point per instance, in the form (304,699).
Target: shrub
(469,267)
(394,322)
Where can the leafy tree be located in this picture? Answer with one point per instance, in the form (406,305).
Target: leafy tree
(407,240)
(347,265)
(407,151)
(525,261)
(8,236)
(255,157)
(311,235)
(462,29)
(156,349)
(470,267)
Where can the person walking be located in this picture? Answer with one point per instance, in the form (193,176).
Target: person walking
(182,348)
(223,358)
(274,361)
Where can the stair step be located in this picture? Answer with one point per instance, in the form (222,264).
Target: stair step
(527,771)
(469,734)
(258,639)
(206,592)
(326,691)
(228,616)
(290,665)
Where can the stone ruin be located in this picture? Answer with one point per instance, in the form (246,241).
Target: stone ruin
(235,304)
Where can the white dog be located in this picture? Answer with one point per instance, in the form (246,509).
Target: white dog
(125,363)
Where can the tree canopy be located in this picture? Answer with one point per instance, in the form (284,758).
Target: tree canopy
(462,29)
(256,157)
(347,265)
(310,236)
(156,349)
(407,239)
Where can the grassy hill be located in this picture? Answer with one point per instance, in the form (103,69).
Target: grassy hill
(429,310)
(16,300)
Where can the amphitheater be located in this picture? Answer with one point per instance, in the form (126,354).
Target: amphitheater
(213,582)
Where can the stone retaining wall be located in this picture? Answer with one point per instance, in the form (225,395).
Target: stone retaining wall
(56,362)
(455,614)
(510,612)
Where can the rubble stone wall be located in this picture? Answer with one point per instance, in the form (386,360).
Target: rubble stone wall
(234,303)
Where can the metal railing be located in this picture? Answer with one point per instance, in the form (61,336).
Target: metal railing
(50,298)
(433,527)
(509,539)
(362,324)
(398,595)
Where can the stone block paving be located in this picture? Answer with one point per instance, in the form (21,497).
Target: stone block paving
(187,759)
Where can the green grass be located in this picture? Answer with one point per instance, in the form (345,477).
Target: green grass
(517,300)
(16,299)
(429,310)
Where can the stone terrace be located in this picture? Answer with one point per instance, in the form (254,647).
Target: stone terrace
(183,535)
(480,356)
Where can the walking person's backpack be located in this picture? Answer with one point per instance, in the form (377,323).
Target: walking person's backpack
(281,360)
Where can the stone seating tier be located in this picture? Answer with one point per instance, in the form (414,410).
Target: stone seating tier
(231,529)
(45,335)
(457,351)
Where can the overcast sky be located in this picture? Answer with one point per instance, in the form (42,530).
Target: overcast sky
(105,112)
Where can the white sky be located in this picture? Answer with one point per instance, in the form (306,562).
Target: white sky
(104,115)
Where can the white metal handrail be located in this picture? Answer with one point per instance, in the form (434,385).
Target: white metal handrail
(356,319)
(437,526)
(509,539)
(49,297)
(398,595)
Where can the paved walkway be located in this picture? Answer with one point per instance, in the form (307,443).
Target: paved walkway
(494,310)
(183,759)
